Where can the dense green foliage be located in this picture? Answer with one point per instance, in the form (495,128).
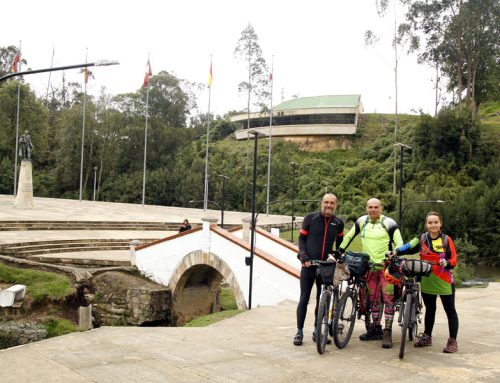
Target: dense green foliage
(56,327)
(39,284)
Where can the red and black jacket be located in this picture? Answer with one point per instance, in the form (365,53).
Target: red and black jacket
(318,235)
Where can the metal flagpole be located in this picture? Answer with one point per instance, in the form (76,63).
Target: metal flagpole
(50,75)
(83,124)
(205,194)
(18,69)
(145,137)
(270,138)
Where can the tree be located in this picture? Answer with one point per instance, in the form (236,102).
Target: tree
(248,50)
(461,38)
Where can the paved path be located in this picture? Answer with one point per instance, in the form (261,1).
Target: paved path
(52,209)
(256,346)
(73,210)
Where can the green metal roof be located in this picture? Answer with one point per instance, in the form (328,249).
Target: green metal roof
(320,102)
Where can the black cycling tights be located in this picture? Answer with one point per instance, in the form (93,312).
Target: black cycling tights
(307,279)
(449,307)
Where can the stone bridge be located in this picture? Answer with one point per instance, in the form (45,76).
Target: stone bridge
(193,265)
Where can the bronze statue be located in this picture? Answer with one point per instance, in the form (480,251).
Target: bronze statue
(26,146)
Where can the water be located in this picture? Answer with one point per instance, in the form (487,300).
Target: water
(491,273)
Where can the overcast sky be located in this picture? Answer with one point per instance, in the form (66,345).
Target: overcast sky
(318,47)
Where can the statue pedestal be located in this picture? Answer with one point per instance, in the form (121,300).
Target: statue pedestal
(24,197)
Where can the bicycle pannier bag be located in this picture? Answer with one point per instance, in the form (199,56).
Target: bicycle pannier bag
(357,262)
(326,270)
(417,268)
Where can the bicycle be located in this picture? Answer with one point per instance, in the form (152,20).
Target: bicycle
(408,273)
(329,298)
(355,302)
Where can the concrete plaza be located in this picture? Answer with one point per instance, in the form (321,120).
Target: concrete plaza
(256,346)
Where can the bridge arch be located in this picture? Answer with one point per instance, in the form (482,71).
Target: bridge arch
(195,285)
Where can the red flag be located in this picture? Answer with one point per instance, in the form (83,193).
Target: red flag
(17,60)
(270,76)
(148,74)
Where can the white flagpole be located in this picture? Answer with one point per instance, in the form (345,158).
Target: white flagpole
(83,124)
(145,140)
(50,75)
(205,194)
(18,69)
(270,139)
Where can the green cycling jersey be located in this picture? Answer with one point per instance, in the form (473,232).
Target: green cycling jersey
(376,237)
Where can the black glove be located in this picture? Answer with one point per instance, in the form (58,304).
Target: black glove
(302,257)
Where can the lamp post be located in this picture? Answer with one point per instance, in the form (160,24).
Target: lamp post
(208,201)
(223,205)
(95,177)
(249,260)
(402,147)
(294,166)
(411,203)
(86,65)
(327,184)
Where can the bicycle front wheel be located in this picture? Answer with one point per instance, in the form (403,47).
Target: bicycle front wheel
(405,324)
(322,321)
(345,317)
(415,318)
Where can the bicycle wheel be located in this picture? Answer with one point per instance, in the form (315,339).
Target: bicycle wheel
(336,299)
(364,306)
(345,317)
(405,324)
(322,321)
(416,313)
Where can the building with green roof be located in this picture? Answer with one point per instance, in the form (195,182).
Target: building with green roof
(306,116)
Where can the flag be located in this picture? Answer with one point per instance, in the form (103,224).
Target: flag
(87,74)
(148,74)
(210,76)
(17,60)
(270,76)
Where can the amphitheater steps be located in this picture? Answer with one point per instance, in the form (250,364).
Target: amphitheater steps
(87,225)
(29,249)
(64,259)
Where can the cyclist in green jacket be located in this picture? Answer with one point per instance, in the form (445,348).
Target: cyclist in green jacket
(378,234)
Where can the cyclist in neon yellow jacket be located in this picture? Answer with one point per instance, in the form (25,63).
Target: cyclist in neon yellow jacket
(378,234)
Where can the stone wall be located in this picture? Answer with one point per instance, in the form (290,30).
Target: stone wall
(148,305)
(16,333)
(123,299)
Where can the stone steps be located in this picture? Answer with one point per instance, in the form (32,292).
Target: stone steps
(85,262)
(87,225)
(28,249)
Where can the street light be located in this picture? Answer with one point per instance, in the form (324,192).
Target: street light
(294,166)
(402,148)
(411,203)
(208,201)
(223,207)
(95,176)
(249,260)
(86,65)
(327,184)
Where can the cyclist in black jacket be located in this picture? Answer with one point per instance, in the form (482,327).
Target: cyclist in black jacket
(320,230)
